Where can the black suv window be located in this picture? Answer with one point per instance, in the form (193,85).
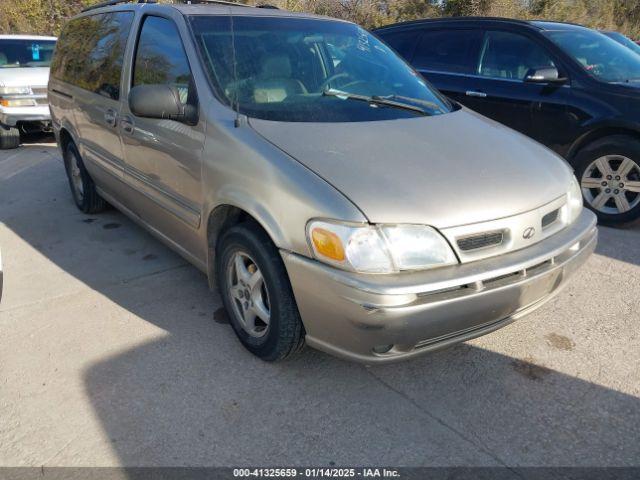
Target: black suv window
(403,42)
(510,56)
(452,51)
(600,56)
(90,52)
(161,59)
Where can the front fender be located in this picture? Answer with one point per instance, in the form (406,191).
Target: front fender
(242,169)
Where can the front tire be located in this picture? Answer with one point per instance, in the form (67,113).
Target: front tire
(609,173)
(257,294)
(83,189)
(9,138)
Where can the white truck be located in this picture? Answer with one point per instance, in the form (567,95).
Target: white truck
(24,75)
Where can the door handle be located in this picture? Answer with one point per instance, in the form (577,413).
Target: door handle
(127,125)
(111,117)
(473,93)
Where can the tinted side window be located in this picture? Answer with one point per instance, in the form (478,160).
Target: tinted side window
(448,50)
(161,59)
(90,52)
(510,56)
(403,42)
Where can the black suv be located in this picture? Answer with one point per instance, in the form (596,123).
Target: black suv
(569,87)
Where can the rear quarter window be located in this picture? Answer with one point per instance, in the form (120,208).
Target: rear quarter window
(90,52)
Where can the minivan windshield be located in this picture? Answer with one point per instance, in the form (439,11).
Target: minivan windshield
(21,53)
(308,70)
(602,57)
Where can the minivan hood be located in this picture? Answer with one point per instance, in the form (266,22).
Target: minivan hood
(21,77)
(446,170)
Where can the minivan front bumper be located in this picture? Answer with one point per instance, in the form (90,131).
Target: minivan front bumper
(385,318)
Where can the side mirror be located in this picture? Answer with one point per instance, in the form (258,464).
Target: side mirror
(161,102)
(544,75)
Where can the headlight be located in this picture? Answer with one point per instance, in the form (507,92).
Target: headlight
(574,200)
(15,91)
(379,248)
(18,102)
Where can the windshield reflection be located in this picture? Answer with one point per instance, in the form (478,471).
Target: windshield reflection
(281,70)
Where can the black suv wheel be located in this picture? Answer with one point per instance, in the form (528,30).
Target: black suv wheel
(609,174)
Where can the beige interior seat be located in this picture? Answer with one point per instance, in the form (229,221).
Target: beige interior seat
(275,82)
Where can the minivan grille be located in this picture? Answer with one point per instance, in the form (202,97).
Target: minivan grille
(550,218)
(482,240)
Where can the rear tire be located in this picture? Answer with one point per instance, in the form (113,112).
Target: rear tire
(609,173)
(83,189)
(9,138)
(283,333)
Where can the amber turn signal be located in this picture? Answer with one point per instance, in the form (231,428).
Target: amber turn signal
(328,244)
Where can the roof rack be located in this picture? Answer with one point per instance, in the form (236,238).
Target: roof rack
(109,3)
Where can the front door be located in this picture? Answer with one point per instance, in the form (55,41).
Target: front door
(499,90)
(448,58)
(163,157)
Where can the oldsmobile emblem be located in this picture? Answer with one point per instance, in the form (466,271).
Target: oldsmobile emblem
(529,233)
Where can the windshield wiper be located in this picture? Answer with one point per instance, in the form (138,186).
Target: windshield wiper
(426,103)
(375,100)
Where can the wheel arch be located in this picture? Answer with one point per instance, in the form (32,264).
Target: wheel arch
(600,133)
(219,220)
(65,138)
(65,135)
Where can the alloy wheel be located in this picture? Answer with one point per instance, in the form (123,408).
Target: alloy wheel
(611,184)
(248,294)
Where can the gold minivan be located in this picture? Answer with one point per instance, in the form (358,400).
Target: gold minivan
(332,196)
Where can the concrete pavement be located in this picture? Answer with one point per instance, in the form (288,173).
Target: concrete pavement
(110,355)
